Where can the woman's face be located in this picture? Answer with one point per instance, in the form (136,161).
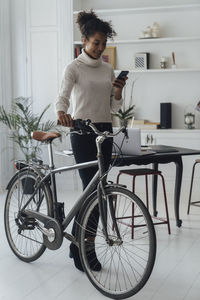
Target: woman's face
(95,45)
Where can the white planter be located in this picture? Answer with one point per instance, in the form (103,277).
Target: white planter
(115,121)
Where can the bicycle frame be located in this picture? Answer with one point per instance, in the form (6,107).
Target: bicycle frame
(80,200)
(97,182)
(89,189)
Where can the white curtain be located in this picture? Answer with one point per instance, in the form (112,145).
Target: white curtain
(5,91)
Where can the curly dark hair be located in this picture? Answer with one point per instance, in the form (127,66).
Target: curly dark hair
(89,24)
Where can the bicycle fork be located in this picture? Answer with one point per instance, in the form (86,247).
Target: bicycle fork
(102,198)
(103,215)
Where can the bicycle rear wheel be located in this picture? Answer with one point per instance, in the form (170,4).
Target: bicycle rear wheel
(126,265)
(23,235)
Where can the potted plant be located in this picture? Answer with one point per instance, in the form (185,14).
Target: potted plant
(125,114)
(22,122)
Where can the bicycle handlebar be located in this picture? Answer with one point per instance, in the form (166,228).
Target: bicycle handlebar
(84,124)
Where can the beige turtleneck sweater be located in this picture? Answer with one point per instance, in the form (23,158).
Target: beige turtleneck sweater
(88,83)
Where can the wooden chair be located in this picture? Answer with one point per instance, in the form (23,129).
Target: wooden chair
(146,172)
(195,203)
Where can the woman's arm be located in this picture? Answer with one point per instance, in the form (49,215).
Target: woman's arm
(62,101)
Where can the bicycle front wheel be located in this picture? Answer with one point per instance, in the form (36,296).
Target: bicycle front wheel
(126,264)
(23,235)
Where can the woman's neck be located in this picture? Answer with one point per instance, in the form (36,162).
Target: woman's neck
(89,55)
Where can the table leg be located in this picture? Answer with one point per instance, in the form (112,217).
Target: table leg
(177,190)
(154,189)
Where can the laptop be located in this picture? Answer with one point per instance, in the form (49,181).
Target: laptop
(164,149)
(130,146)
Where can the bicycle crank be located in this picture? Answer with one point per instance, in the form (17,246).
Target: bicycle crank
(52,232)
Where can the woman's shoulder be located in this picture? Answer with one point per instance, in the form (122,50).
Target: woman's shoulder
(71,68)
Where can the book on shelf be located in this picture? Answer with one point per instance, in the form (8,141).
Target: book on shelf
(145,125)
(150,127)
(77,51)
(135,122)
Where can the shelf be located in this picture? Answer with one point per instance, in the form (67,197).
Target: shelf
(174,130)
(139,10)
(156,40)
(151,40)
(163,70)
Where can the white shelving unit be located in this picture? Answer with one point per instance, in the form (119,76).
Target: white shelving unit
(174,39)
(150,40)
(142,10)
(163,70)
(180,33)
(179,25)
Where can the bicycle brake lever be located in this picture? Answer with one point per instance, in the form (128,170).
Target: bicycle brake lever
(125,133)
(87,122)
(81,124)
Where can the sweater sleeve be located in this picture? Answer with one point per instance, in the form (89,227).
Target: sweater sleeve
(62,101)
(114,104)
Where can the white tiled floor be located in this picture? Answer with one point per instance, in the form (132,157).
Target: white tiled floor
(176,275)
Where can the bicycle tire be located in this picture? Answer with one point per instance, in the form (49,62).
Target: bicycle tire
(125,268)
(26,243)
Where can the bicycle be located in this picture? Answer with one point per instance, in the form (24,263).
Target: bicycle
(35,220)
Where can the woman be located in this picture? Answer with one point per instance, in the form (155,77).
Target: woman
(96,93)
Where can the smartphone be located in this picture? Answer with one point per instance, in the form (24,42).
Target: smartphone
(122,74)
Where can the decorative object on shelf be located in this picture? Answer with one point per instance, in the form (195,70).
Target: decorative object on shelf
(189,120)
(151,32)
(22,122)
(155,30)
(163,62)
(173,60)
(142,60)
(165,115)
(198,106)
(189,116)
(109,56)
(147,33)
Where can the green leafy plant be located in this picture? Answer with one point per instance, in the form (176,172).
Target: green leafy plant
(125,114)
(22,122)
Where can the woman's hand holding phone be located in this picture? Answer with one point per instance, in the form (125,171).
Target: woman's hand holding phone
(119,83)
(122,74)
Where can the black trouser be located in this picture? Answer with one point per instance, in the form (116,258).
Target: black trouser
(84,149)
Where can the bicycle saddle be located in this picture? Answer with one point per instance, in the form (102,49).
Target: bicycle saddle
(43,136)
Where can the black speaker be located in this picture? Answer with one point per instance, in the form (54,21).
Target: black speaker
(165,115)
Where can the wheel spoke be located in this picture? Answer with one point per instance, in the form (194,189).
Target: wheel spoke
(26,243)
(125,265)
